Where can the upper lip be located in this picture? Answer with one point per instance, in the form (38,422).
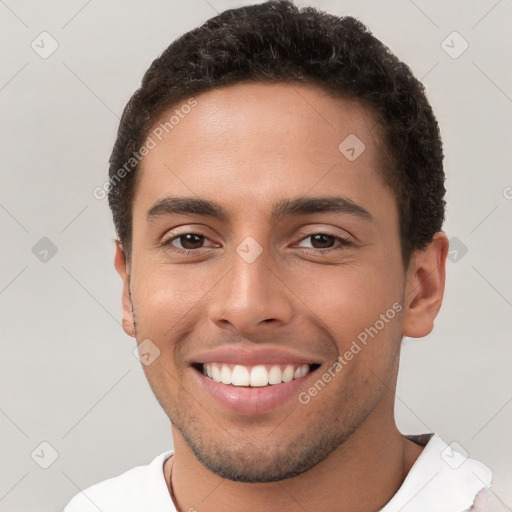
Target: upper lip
(251,356)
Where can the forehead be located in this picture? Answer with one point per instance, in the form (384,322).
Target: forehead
(258,142)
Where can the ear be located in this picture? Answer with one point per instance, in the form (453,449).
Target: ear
(124,271)
(424,287)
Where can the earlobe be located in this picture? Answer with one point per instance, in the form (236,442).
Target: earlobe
(425,287)
(123,270)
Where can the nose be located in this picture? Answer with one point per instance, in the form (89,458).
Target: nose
(251,297)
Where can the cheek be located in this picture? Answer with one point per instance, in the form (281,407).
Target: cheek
(165,299)
(348,297)
(360,309)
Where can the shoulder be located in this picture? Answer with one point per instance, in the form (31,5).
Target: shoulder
(132,490)
(491,499)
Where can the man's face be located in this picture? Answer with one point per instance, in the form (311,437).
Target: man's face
(255,289)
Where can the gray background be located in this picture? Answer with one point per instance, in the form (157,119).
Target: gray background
(68,373)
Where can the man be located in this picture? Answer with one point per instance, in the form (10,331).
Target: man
(277,189)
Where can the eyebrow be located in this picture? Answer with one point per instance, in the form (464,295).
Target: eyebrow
(281,209)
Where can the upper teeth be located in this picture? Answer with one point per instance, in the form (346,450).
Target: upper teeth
(257,376)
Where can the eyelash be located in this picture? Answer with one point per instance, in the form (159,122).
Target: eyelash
(344,242)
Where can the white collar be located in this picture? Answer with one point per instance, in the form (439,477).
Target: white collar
(441,480)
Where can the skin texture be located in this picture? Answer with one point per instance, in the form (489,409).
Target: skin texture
(246,147)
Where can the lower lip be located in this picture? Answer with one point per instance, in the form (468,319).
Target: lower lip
(252,400)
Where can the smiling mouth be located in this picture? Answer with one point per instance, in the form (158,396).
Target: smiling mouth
(260,375)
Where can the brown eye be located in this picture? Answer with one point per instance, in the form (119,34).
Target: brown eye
(190,241)
(322,241)
(186,242)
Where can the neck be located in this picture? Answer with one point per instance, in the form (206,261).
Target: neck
(363,474)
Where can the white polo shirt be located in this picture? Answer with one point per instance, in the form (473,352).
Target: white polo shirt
(441,480)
